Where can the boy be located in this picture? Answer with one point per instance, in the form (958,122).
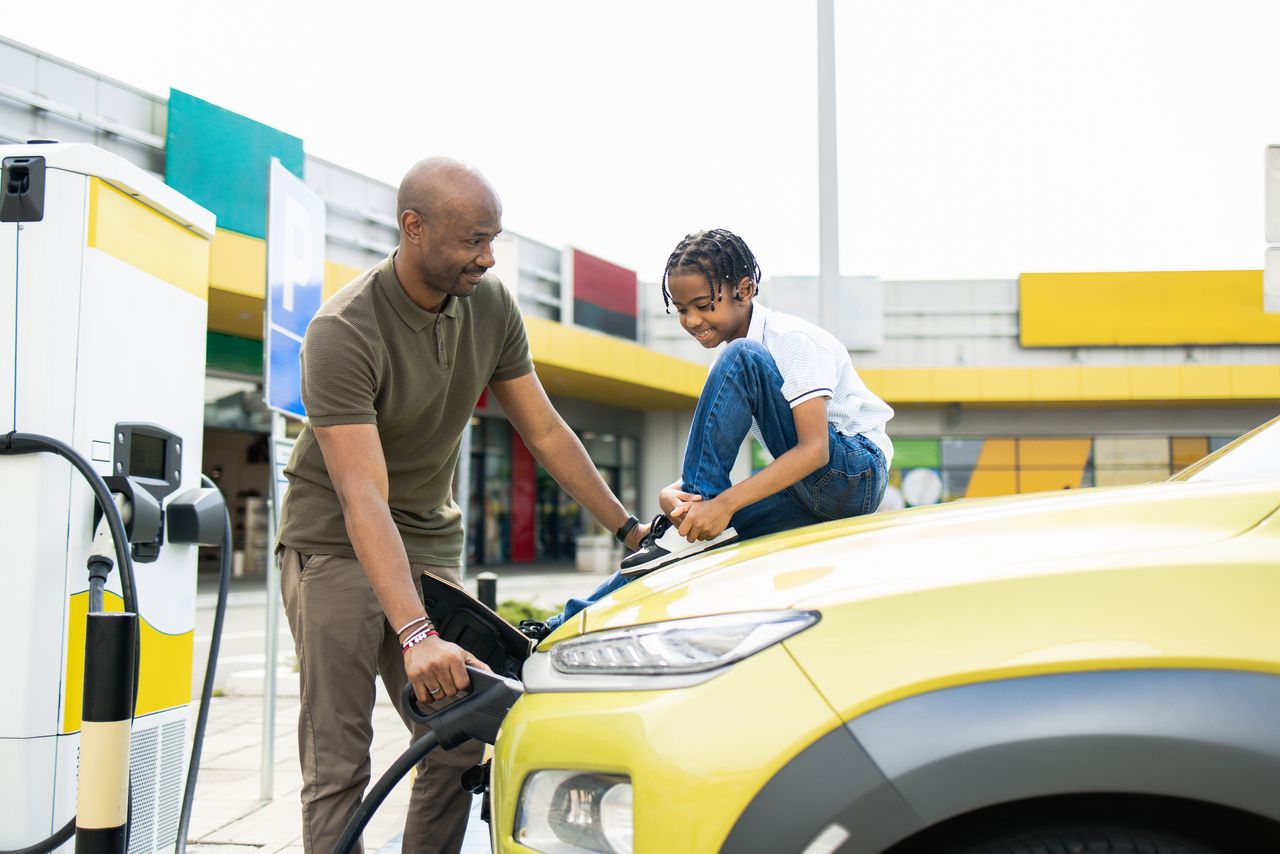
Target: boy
(788,382)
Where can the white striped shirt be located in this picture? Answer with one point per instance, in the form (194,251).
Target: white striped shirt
(814,364)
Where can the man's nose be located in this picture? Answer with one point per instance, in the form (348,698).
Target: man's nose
(486,258)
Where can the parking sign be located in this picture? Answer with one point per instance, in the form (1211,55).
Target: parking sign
(295,278)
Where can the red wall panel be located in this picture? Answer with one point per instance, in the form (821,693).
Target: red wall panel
(604,285)
(524,493)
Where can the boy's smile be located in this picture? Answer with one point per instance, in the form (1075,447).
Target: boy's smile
(711,322)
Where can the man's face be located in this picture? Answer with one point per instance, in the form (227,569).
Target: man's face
(457,244)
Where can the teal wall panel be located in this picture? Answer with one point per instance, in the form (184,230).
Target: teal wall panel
(220,160)
(233,353)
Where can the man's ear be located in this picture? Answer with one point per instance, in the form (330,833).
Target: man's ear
(412,226)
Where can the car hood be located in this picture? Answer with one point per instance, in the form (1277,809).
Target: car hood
(925,548)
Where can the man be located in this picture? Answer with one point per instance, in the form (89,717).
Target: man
(392,367)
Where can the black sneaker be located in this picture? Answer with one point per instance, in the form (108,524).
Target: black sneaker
(663,545)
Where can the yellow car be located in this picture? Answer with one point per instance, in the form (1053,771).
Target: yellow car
(1090,670)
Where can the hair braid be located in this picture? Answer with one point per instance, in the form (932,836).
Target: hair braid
(720,256)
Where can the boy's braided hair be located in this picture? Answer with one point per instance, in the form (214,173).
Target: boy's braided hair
(720,256)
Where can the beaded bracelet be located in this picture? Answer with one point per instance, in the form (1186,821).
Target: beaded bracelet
(418,638)
(411,624)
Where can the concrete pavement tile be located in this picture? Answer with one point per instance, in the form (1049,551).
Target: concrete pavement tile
(213,776)
(205,824)
(223,808)
(241,791)
(277,823)
(387,824)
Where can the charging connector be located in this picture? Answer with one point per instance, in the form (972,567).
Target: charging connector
(477,714)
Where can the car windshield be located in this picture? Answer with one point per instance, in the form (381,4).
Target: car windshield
(1254,456)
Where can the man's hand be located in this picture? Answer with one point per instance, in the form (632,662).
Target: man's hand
(438,669)
(636,536)
(703,520)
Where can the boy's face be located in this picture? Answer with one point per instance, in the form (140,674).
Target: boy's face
(711,322)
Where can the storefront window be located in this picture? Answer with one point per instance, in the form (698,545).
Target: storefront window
(519,513)
(1000,465)
(556,520)
(605,450)
(489,516)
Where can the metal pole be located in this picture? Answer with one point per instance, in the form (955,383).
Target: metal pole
(487,590)
(270,650)
(828,180)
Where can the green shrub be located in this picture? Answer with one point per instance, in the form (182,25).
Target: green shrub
(513,611)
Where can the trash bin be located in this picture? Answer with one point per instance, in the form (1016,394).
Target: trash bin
(595,554)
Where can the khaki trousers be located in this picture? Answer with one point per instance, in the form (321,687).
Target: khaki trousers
(343,640)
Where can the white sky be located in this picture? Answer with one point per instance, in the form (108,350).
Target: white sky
(977,137)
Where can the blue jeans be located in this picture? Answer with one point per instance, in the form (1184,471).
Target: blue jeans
(745,383)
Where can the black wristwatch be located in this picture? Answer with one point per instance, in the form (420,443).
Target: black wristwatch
(622,532)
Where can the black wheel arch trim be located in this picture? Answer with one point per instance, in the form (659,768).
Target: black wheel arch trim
(1200,734)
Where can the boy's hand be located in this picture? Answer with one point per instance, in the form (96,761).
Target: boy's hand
(703,520)
(672,501)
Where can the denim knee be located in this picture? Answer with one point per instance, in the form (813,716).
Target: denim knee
(744,356)
(745,349)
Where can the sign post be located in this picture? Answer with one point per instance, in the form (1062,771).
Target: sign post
(295,280)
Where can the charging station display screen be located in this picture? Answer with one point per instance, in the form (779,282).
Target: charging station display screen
(146,456)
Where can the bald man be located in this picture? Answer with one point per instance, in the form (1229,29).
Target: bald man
(392,368)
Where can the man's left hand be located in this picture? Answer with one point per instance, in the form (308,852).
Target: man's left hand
(636,536)
(705,519)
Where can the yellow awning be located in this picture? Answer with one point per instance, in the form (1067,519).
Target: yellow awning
(571,362)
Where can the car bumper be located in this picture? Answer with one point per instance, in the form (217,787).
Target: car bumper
(695,756)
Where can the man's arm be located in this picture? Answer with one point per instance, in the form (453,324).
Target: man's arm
(556,447)
(353,457)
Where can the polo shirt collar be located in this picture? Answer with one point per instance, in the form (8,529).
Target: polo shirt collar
(755,329)
(414,315)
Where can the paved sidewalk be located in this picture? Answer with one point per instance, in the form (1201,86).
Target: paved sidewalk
(229,815)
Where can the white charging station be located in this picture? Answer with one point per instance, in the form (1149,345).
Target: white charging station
(103,312)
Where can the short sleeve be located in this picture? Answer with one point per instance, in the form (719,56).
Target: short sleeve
(808,369)
(339,374)
(514,361)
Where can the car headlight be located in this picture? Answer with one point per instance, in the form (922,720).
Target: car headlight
(571,812)
(679,646)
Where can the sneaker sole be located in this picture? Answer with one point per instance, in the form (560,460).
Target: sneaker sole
(659,562)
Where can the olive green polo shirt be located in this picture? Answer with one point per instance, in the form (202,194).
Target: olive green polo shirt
(372,356)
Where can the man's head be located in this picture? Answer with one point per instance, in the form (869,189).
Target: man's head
(449,216)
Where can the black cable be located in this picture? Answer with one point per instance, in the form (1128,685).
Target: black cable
(206,693)
(355,825)
(16,443)
(60,838)
(29,443)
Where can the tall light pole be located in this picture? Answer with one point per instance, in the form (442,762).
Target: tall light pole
(828,180)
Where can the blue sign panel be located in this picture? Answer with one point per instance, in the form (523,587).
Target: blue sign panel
(295,279)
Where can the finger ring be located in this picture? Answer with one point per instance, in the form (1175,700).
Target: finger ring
(434,691)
